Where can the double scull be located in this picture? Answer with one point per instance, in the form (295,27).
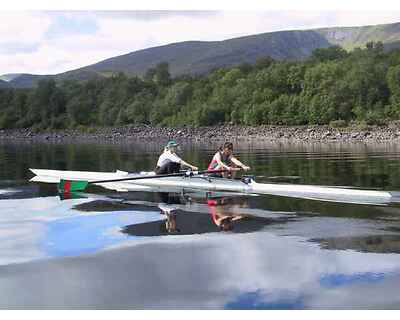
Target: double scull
(204,182)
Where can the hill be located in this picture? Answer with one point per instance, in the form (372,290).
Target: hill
(352,37)
(9,76)
(200,57)
(3,84)
(195,57)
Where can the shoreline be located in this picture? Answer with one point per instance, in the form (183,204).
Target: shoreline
(265,133)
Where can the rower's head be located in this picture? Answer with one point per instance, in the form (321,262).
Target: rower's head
(170,224)
(226,224)
(172,146)
(227,148)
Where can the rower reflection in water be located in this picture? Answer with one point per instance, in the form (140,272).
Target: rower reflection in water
(221,217)
(167,207)
(215,214)
(224,160)
(169,162)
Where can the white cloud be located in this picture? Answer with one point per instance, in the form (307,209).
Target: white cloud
(51,59)
(348,18)
(25,27)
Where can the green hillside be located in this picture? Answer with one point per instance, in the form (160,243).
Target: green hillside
(336,87)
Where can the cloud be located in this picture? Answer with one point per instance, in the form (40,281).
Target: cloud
(275,270)
(364,18)
(156,14)
(17,47)
(50,59)
(71,24)
(24,27)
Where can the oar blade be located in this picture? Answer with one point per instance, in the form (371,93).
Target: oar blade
(71,195)
(67,186)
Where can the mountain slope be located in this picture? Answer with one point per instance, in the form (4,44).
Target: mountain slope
(352,37)
(9,76)
(3,84)
(196,57)
(199,57)
(25,80)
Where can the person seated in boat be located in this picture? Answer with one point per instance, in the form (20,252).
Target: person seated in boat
(224,160)
(169,161)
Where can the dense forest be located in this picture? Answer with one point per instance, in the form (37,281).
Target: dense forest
(332,87)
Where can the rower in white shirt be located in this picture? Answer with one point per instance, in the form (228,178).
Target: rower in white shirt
(169,161)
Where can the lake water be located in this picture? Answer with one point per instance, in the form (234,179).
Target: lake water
(109,250)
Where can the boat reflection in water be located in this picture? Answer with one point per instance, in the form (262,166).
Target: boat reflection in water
(208,213)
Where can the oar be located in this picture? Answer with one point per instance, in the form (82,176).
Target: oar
(66,186)
(283,178)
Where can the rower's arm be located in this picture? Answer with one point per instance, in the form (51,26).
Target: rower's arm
(238,217)
(239,164)
(188,165)
(220,163)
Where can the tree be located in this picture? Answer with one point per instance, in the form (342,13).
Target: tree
(376,47)
(138,111)
(149,75)
(264,62)
(363,84)
(328,54)
(245,67)
(393,82)
(162,76)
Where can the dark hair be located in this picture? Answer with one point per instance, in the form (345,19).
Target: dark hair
(226,224)
(226,145)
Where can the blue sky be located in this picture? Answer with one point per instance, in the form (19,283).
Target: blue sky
(48,42)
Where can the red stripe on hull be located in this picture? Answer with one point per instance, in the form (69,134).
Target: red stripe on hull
(67,186)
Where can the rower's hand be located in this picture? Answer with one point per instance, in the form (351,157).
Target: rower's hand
(234,169)
(194,168)
(246,168)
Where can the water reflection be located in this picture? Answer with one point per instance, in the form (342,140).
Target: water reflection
(219,213)
(387,243)
(360,165)
(248,271)
(111,250)
(40,228)
(21,192)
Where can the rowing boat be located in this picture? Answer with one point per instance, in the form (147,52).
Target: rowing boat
(203,182)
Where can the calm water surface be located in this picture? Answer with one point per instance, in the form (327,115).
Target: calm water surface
(106,250)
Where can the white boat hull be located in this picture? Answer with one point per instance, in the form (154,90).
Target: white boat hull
(216,184)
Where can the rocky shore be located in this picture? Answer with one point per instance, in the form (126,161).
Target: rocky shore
(372,134)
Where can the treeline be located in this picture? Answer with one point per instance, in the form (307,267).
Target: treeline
(333,86)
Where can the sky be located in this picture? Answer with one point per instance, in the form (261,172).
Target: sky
(50,42)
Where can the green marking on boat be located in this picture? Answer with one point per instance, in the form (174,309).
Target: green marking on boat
(72,185)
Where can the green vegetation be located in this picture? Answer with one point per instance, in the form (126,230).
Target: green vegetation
(333,86)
